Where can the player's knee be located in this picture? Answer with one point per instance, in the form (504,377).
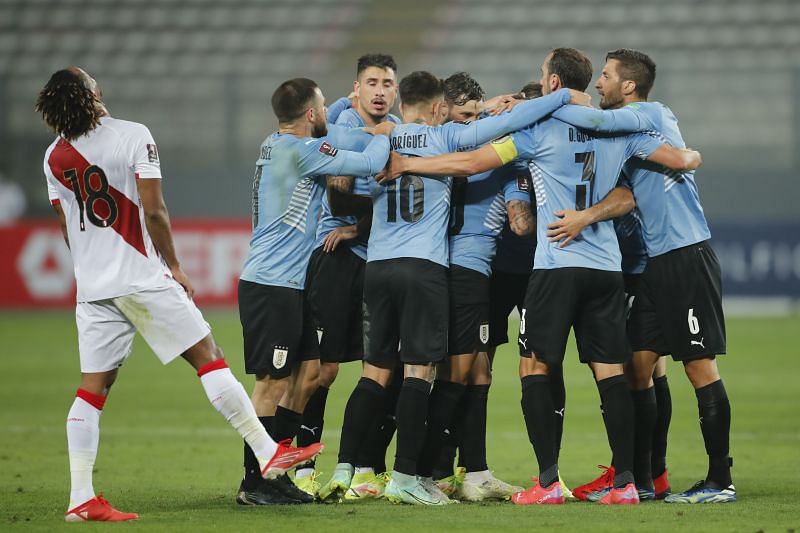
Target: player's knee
(327,374)
(701,372)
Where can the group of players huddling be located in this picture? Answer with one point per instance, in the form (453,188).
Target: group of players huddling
(405,243)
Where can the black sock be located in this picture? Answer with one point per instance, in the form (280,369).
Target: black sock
(373,452)
(715,422)
(252,470)
(444,465)
(313,421)
(473,437)
(442,405)
(362,410)
(286,423)
(537,408)
(645,412)
(412,412)
(658,459)
(619,419)
(559,393)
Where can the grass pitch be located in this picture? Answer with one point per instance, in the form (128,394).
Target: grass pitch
(167,455)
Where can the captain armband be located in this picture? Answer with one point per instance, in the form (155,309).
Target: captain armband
(505,148)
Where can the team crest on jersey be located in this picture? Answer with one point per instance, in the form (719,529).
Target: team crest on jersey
(483,333)
(152,153)
(327,149)
(523,183)
(279,356)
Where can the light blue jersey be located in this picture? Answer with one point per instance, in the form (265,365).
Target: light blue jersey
(410,214)
(327,222)
(478,213)
(572,169)
(668,200)
(287,190)
(631,241)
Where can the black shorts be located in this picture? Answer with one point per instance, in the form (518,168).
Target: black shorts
(588,300)
(506,291)
(335,292)
(469,311)
(405,305)
(679,307)
(277,327)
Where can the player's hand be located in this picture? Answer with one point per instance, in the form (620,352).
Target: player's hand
(500,104)
(579,98)
(353,97)
(338,235)
(568,227)
(394,169)
(181,277)
(692,158)
(384,128)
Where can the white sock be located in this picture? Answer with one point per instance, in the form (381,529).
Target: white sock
(83,437)
(478,477)
(228,397)
(365,470)
(300,473)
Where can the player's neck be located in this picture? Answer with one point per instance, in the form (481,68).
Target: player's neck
(416,116)
(293,128)
(632,100)
(369,120)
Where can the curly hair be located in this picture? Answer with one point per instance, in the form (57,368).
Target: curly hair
(460,88)
(67,105)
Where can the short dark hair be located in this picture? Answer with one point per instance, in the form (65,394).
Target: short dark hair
(461,87)
(530,90)
(383,61)
(420,86)
(292,97)
(68,105)
(637,67)
(572,66)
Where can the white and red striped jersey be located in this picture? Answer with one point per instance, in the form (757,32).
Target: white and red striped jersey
(93,178)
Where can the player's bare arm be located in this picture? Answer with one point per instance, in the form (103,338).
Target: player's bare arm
(455,164)
(156,218)
(571,223)
(520,217)
(676,158)
(62,221)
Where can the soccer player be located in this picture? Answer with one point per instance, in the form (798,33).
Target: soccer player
(676,312)
(104,182)
(478,208)
(280,343)
(336,269)
(576,286)
(405,286)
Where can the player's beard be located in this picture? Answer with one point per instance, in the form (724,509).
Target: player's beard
(320,129)
(611,99)
(376,118)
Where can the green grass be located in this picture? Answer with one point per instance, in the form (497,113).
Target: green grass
(167,455)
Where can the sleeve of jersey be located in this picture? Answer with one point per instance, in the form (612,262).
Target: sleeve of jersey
(348,138)
(623,120)
(322,158)
(519,187)
(52,191)
(484,130)
(146,164)
(336,109)
(642,145)
(506,148)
